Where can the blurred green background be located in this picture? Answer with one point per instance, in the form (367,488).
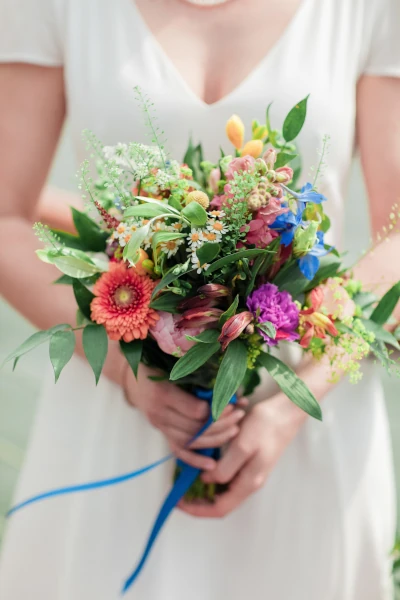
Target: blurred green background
(19,392)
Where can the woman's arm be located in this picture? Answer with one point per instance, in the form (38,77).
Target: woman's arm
(32,111)
(272,425)
(53,208)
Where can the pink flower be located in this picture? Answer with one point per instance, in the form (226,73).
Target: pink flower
(234,327)
(284,174)
(170,338)
(259,233)
(218,202)
(269,157)
(335,300)
(214,178)
(237,165)
(273,209)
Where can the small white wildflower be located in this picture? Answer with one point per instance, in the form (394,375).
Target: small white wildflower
(195,239)
(163,179)
(216,226)
(171,247)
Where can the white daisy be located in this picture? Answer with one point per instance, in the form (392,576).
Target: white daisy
(171,247)
(195,239)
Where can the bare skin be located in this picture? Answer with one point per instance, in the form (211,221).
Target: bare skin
(207,44)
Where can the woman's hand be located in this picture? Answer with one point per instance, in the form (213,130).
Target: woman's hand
(264,434)
(180,416)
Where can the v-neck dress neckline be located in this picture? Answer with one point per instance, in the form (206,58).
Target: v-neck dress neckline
(293,23)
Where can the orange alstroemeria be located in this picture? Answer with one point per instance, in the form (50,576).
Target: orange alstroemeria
(314,323)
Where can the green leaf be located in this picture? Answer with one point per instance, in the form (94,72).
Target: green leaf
(267,119)
(295,120)
(131,250)
(165,236)
(207,336)
(173,202)
(195,213)
(70,240)
(175,273)
(62,346)
(330,266)
(386,305)
(380,333)
(258,263)
(230,375)
(75,267)
(91,236)
(268,328)
(379,349)
(35,340)
(251,380)
(226,260)
(208,252)
(83,297)
(64,280)
(230,311)
(283,159)
(291,280)
(147,211)
(365,299)
(291,385)
(133,353)
(193,359)
(158,377)
(167,302)
(81,320)
(95,346)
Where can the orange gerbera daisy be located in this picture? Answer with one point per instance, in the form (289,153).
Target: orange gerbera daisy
(122,303)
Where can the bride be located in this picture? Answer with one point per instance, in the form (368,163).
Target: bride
(309,513)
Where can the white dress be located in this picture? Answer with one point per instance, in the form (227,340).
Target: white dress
(323,525)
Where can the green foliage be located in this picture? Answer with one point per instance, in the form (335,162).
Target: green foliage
(194,359)
(165,236)
(62,345)
(175,273)
(208,252)
(208,336)
(73,263)
(230,375)
(381,334)
(195,214)
(230,312)
(33,341)
(283,159)
(294,121)
(386,305)
(167,302)
(95,346)
(236,256)
(91,236)
(83,297)
(68,239)
(291,385)
(268,328)
(147,210)
(133,353)
(157,135)
(251,380)
(193,159)
(131,250)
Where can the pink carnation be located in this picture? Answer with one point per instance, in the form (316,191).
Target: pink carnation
(273,209)
(170,338)
(240,164)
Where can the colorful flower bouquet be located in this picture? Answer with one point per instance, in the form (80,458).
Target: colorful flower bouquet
(201,269)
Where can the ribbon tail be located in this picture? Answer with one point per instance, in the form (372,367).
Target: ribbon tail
(84,487)
(181,486)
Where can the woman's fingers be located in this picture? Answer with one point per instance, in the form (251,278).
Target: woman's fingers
(250,479)
(187,405)
(221,430)
(204,463)
(239,452)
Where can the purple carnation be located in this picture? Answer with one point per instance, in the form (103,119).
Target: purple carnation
(267,303)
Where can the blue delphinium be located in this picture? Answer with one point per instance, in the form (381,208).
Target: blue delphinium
(306,194)
(309,264)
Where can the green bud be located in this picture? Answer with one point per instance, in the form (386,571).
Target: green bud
(224,163)
(304,239)
(353,287)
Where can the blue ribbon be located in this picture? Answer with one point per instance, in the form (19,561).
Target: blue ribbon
(182,484)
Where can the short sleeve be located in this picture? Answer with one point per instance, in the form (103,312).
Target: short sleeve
(29,32)
(382,38)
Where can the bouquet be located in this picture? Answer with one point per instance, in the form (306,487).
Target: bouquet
(202,269)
